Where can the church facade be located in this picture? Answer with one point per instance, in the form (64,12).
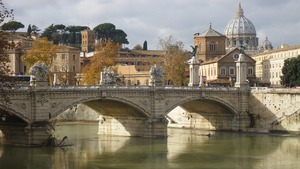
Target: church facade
(218,65)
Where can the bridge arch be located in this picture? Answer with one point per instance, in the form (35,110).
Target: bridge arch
(214,100)
(99,102)
(13,112)
(208,113)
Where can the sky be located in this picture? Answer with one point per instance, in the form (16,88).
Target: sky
(152,20)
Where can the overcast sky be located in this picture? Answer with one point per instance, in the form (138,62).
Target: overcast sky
(152,20)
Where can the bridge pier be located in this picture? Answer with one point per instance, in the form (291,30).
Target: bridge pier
(241,122)
(133,126)
(36,134)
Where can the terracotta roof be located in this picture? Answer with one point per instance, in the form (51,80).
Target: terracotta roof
(209,33)
(142,52)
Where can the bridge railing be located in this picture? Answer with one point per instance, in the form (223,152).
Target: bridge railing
(143,87)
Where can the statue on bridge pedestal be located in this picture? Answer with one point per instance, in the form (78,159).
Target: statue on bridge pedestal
(156,76)
(107,76)
(38,75)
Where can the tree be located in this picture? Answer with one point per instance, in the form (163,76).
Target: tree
(42,51)
(174,61)
(137,47)
(74,34)
(145,46)
(107,31)
(4,42)
(29,30)
(5,82)
(12,26)
(35,29)
(105,55)
(291,72)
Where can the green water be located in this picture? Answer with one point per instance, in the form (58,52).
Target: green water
(183,149)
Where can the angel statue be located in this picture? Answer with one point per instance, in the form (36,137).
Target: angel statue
(194,50)
(242,49)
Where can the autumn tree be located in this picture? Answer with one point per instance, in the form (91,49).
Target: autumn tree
(4,42)
(174,61)
(105,56)
(5,81)
(42,51)
(12,26)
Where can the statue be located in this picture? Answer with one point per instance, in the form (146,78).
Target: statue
(194,50)
(156,75)
(39,71)
(242,49)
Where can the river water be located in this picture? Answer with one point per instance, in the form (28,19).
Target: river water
(183,149)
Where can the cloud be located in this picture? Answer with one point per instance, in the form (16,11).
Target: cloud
(153,19)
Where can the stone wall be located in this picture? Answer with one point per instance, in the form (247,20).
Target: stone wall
(275,110)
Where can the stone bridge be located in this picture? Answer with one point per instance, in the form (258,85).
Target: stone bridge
(26,118)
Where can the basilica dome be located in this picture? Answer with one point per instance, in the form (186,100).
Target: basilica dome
(241,31)
(266,45)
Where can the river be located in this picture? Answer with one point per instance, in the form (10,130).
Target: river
(183,149)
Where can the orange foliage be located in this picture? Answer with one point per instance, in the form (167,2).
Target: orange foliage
(42,51)
(105,56)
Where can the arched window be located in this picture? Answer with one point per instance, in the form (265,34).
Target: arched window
(212,46)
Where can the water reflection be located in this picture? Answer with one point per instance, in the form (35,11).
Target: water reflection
(182,149)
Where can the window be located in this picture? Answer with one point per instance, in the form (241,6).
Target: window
(212,46)
(250,70)
(73,57)
(223,71)
(231,70)
(63,57)
(74,69)
(200,47)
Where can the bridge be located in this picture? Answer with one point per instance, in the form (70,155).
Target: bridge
(28,113)
(142,110)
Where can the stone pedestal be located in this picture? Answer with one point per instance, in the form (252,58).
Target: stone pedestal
(241,73)
(194,72)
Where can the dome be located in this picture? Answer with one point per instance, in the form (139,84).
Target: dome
(240,31)
(239,25)
(266,45)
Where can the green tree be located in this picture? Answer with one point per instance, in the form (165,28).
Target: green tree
(12,26)
(105,55)
(48,32)
(145,46)
(74,34)
(174,61)
(291,72)
(137,47)
(29,30)
(107,31)
(35,29)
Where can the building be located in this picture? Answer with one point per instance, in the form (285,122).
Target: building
(218,67)
(269,64)
(141,59)
(87,40)
(241,31)
(16,66)
(66,66)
